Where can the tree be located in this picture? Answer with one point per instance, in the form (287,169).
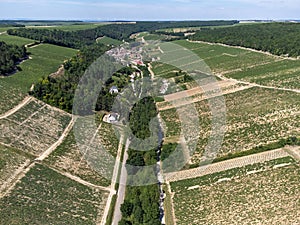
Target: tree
(126,208)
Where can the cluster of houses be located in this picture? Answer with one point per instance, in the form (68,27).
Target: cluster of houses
(128,56)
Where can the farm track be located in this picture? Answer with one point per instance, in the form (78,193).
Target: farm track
(192,100)
(15,109)
(122,188)
(226,165)
(113,181)
(15,178)
(81,181)
(44,155)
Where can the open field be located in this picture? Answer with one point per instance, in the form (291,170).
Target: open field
(71,156)
(73,27)
(45,59)
(108,41)
(9,97)
(249,122)
(44,196)
(253,66)
(261,193)
(33,128)
(9,39)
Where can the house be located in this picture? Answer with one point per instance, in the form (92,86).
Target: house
(114,90)
(111,118)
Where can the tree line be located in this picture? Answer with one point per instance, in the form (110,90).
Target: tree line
(80,38)
(141,204)
(10,57)
(276,38)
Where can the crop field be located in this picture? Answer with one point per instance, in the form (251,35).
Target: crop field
(14,40)
(3,29)
(46,59)
(73,27)
(265,193)
(9,96)
(33,128)
(70,157)
(249,122)
(109,41)
(10,160)
(44,196)
(247,65)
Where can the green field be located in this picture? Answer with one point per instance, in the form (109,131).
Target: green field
(264,193)
(247,65)
(45,59)
(10,160)
(44,196)
(249,122)
(15,40)
(74,27)
(109,41)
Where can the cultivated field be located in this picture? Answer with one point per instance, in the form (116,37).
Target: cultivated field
(73,156)
(45,59)
(109,41)
(44,196)
(9,39)
(249,122)
(33,128)
(265,193)
(252,66)
(11,160)
(9,97)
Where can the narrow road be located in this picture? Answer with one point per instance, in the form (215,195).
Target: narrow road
(151,71)
(113,181)
(81,181)
(15,109)
(294,151)
(52,148)
(122,188)
(13,179)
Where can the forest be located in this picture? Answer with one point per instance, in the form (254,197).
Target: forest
(60,91)
(11,56)
(265,37)
(78,39)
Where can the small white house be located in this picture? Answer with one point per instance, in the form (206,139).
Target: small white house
(111,118)
(114,90)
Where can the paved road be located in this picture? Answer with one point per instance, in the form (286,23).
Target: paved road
(122,188)
(113,181)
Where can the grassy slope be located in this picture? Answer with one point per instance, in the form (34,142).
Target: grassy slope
(9,39)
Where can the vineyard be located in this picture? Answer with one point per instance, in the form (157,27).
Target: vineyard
(34,122)
(260,193)
(44,196)
(249,122)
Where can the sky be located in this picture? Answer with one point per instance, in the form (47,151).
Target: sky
(150,9)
